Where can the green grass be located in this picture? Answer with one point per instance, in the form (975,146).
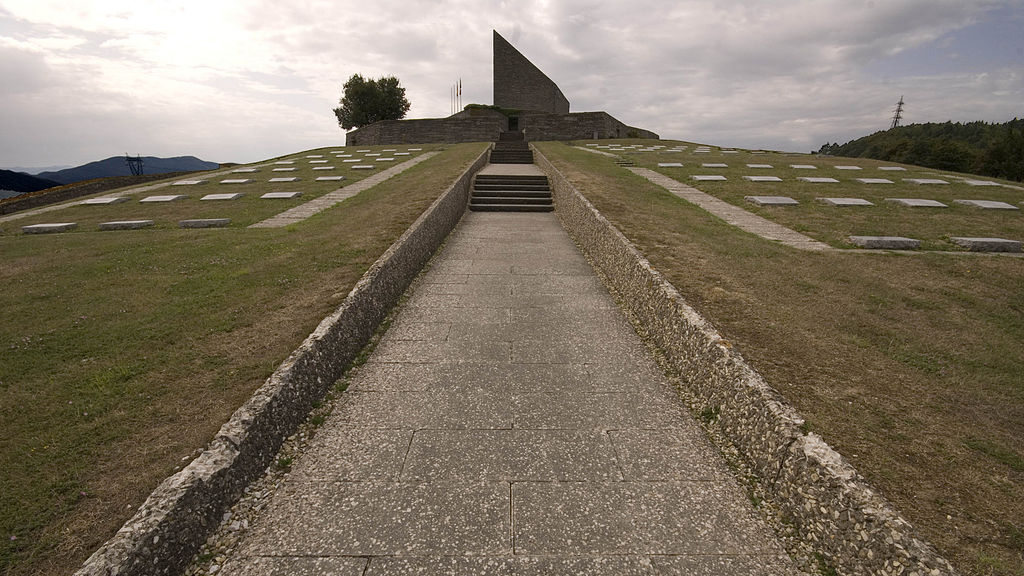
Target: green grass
(124,352)
(834,225)
(910,366)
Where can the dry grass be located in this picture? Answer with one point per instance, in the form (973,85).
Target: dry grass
(124,352)
(909,365)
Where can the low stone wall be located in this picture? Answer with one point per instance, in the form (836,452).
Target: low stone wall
(179,515)
(577,126)
(427,130)
(832,506)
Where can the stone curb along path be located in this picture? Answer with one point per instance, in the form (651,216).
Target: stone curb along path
(834,508)
(168,529)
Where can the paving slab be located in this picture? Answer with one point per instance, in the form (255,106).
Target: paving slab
(845,202)
(50,228)
(217,197)
(281,195)
(708,177)
(823,180)
(925,181)
(771,200)
(670,164)
(917,202)
(847,167)
(125,224)
(987,244)
(188,182)
(874,181)
(104,201)
(987,204)
(164,198)
(508,422)
(803,166)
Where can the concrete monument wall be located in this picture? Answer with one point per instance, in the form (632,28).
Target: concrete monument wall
(519,85)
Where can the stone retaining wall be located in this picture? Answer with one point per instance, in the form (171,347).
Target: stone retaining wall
(845,520)
(179,515)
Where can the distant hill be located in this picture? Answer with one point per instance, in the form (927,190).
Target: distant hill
(18,182)
(975,147)
(116,166)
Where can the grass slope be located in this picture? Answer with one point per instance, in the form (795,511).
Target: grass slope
(910,366)
(124,352)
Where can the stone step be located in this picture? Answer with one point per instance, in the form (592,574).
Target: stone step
(511,160)
(511,177)
(510,186)
(511,207)
(512,193)
(509,200)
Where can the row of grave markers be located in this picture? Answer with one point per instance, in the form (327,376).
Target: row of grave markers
(107,200)
(909,202)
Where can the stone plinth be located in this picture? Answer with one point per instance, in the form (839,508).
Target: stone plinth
(49,228)
(125,224)
(885,242)
(988,244)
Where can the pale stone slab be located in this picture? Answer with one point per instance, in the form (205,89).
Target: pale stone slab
(362,167)
(285,162)
(845,202)
(875,181)
(803,166)
(988,244)
(847,167)
(759,166)
(702,151)
(817,180)
(708,177)
(278,180)
(188,182)
(245,170)
(389,150)
(401,154)
(987,204)
(885,242)
(771,200)
(353,161)
(323,168)
(893,168)
(415,149)
(329,178)
(234,196)
(315,156)
(981,183)
(125,224)
(368,154)
(917,202)
(294,566)
(281,195)
(388,159)
(363,150)
(762,178)
(236,181)
(104,201)
(925,181)
(714,165)
(318,161)
(204,223)
(284,169)
(49,228)
(164,198)
(670,164)
(342,155)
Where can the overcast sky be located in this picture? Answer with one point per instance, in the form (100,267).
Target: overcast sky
(240,81)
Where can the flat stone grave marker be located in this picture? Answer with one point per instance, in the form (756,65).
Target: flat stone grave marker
(215,197)
(388,159)
(592,144)
(389,150)
(763,178)
(714,165)
(49,228)
(285,162)
(236,181)
(987,244)
(245,170)
(315,168)
(702,151)
(204,223)
(362,167)
(315,156)
(925,181)
(125,224)
(363,150)
(847,167)
(368,154)
(707,177)
(281,195)
(759,166)
(164,198)
(330,178)
(803,166)
(730,151)
(188,182)
(415,149)
(817,180)
(291,179)
(670,164)
(885,242)
(980,182)
(771,200)
(401,154)
(917,202)
(343,155)
(892,168)
(875,181)
(107,200)
(318,161)
(987,204)
(284,169)
(845,202)
(351,161)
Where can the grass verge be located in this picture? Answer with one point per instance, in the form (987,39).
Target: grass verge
(125,352)
(908,365)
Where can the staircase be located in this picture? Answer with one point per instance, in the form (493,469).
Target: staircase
(511,148)
(499,193)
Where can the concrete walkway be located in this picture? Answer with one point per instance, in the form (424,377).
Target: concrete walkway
(738,217)
(509,422)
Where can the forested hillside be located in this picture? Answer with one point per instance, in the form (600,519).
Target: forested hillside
(975,147)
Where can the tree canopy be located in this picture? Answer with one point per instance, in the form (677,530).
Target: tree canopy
(366,101)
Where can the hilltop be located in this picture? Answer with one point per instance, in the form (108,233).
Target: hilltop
(116,166)
(18,182)
(975,147)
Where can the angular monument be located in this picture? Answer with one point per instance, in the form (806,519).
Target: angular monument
(519,85)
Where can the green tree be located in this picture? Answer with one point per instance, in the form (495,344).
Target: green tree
(366,101)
